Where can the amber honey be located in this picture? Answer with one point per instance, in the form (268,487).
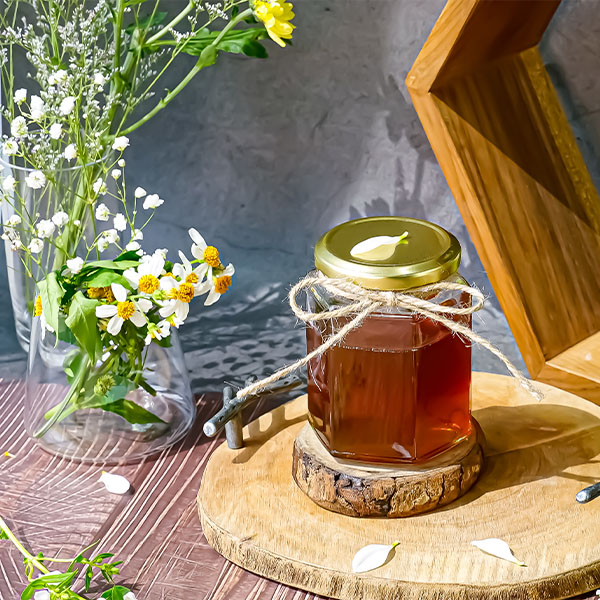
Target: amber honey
(398,390)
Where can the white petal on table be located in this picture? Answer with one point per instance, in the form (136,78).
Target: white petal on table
(379,247)
(499,549)
(115,484)
(371,557)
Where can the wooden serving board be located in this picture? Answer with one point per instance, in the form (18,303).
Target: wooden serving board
(538,456)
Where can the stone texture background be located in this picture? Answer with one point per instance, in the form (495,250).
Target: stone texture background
(264,156)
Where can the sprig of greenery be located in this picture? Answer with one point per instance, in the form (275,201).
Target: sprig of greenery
(61,584)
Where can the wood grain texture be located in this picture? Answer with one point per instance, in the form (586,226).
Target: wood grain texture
(383,491)
(504,143)
(538,455)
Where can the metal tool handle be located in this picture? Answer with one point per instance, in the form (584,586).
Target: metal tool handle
(589,493)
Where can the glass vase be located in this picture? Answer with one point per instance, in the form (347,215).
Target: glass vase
(63,191)
(84,412)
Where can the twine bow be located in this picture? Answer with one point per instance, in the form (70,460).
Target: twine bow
(363,302)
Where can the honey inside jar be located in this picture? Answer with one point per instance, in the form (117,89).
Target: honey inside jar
(397,388)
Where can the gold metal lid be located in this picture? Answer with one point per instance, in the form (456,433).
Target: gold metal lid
(426,254)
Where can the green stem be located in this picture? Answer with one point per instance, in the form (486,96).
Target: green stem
(11,536)
(192,73)
(186,11)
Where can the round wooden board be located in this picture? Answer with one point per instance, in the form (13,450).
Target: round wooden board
(538,456)
(360,490)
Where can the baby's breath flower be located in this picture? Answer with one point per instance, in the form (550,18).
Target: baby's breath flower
(132,246)
(102,212)
(8,184)
(137,235)
(60,218)
(36,246)
(35,180)
(121,162)
(75,264)
(120,143)
(45,228)
(103,244)
(115,174)
(37,108)
(10,147)
(18,127)
(152,201)
(71,152)
(20,96)
(14,220)
(99,186)
(55,131)
(57,77)
(120,222)
(140,192)
(112,236)
(67,105)
(99,79)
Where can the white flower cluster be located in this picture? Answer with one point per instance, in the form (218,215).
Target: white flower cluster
(15,229)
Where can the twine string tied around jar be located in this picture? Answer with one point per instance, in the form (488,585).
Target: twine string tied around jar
(363,302)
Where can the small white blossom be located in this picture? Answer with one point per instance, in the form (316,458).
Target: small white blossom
(10,147)
(45,228)
(14,221)
(41,595)
(55,131)
(16,243)
(36,246)
(77,222)
(71,152)
(99,79)
(60,218)
(120,143)
(102,212)
(137,235)
(120,222)
(99,186)
(20,96)
(140,192)
(129,596)
(67,105)
(132,246)
(75,264)
(35,180)
(112,236)
(115,174)
(37,108)
(152,201)
(103,244)
(8,184)
(18,127)
(121,162)
(59,76)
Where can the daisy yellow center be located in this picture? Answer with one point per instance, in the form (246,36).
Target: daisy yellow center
(222,284)
(185,293)
(169,274)
(211,256)
(192,278)
(148,284)
(38,306)
(108,294)
(96,292)
(125,309)
(172,294)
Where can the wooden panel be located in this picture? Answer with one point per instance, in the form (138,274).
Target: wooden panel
(505,146)
(537,457)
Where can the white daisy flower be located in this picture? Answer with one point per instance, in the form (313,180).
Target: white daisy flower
(8,184)
(18,127)
(36,246)
(124,310)
(120,143)
(71,152)
(75,264)
(99,186)
(216,285)
(185,272)
(152,201)
(120,222)
(202,251)
(55,131)
(67,105)
(37,108)
(102,212)
(20,96)
(158,332)
(10,147)
(45,228)
(60,218)
(140,192)
(146,277)
(35,180)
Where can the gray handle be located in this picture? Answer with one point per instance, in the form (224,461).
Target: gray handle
(589,493)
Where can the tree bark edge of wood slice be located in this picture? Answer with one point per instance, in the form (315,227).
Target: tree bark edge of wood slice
(361,490)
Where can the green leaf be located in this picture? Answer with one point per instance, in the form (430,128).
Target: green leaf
(3,535)
(132,412)
(51,292)
(129,255)
(62,580)
(104,277)
(64,333)
(119,265)
(88,578)
(208,57)
(115,593)
(82,321)
(73,363)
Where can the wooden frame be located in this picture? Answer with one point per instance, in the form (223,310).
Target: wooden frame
(498,130)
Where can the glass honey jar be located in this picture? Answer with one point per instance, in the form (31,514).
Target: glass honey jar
(397,389)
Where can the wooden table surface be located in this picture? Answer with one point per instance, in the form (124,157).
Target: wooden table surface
(58,507)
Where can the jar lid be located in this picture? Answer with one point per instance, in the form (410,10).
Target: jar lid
(388,253)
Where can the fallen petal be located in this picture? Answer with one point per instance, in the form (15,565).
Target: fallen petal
(9,454)
(115,484)
(497,548)
(379,247)
(372,556)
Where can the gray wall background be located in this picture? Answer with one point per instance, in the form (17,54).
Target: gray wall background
(264,156)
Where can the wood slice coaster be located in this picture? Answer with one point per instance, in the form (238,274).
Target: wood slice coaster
(383,491)
(538,455)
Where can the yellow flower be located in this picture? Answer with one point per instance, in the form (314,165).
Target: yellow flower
(276,15)
(38,307)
